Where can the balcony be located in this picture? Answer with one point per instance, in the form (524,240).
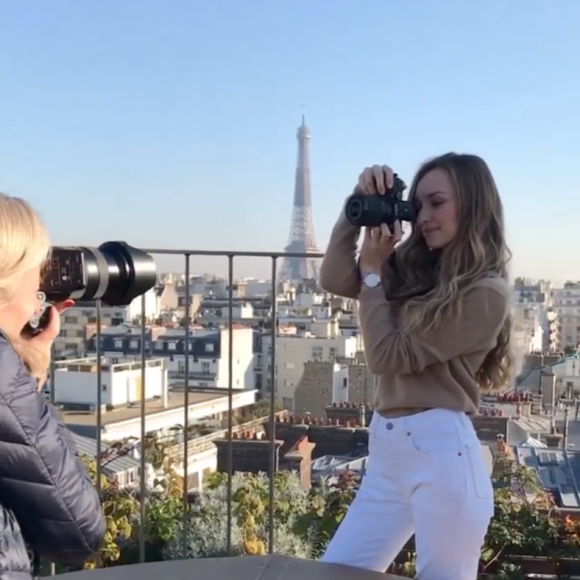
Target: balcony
(252,517)
(184,451)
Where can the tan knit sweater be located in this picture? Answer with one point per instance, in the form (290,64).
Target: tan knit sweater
(434,369)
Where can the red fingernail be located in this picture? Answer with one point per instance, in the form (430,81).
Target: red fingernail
(68,303)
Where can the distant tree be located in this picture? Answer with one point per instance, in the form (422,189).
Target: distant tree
(526,523)
(120,509)
(203,533)
(326,507)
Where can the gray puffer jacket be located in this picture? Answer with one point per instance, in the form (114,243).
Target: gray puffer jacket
(47,501)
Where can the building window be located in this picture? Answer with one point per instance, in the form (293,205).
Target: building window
(209,347)
(205,367)
(118,343)
(317,352)
(171,346)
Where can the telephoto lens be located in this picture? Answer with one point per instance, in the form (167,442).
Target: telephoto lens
(114,273)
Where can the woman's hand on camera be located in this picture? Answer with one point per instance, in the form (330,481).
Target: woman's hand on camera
(379,243)
(375,180)
(35,350)
(47,335)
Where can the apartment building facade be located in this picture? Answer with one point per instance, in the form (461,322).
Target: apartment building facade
(566,304)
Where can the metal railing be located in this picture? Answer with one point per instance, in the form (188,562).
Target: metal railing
(188,256)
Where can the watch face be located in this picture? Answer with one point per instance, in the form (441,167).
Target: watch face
(372,280)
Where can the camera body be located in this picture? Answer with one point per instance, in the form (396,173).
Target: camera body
(374,210)
(114,273)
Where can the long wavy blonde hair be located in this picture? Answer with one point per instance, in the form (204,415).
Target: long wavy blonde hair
(24,244)
(429,284)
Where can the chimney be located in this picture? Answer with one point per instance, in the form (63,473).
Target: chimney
(299,459)
(536,405)
(488,427)
(249,454)
(548,387)
(362,421)
(345,413)
(164,385)
(566,427)
(527,408)
(554,440)
(533,361)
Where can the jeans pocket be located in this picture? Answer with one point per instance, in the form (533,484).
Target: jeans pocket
(480,473)
(443,442)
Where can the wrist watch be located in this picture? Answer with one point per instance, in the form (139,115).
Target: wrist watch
(371,280)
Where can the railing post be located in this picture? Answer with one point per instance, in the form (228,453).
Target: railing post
(186,402)
(52,398)
(273,334)
(230,399)
(99,416)
(142,479)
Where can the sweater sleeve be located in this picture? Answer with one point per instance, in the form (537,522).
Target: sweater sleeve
(339,269)
(390,351)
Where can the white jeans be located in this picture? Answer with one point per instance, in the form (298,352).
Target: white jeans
(425,475)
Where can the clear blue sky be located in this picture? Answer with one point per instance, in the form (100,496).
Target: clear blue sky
(171,123)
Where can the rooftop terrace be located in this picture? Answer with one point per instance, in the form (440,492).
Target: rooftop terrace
(175,400)
(247,568)
(267,567)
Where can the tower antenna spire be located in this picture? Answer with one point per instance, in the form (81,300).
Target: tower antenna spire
(301,239)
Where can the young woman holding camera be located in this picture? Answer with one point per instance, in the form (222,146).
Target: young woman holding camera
(435,321)
(47,502)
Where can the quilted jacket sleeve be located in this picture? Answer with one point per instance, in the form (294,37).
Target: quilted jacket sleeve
(41,478)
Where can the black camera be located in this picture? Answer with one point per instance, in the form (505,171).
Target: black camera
(114,273)
(374,210)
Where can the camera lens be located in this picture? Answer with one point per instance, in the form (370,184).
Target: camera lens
(368,210)
(116,273)
(354,211)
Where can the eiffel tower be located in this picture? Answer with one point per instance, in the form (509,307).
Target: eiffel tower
(301,238)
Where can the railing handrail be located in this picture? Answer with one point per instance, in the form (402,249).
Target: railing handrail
(234,253)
